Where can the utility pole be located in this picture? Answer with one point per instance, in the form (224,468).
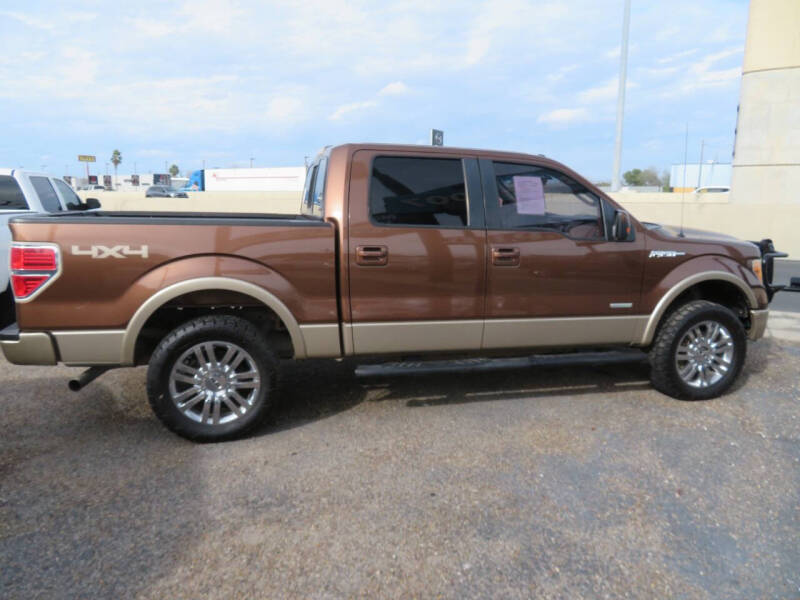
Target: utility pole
(700,167)
(623,72)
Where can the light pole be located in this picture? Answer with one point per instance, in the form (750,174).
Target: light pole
(251,162)
(623,71)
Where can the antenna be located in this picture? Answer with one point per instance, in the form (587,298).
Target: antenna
(683,185)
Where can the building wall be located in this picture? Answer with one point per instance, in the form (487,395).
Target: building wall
(766,163)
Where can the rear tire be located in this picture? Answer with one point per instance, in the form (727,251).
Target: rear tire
(698,352)
(211,378)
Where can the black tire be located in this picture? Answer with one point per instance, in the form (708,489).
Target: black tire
(664,372)
(221,331)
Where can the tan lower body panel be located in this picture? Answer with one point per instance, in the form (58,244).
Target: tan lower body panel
(321,340)
(492,334)
(415,336)
(86,348)
(555,332)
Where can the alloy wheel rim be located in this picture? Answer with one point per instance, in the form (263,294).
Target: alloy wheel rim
(214,383)
(704,354)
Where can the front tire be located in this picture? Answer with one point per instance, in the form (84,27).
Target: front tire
(210,379)
(698,351)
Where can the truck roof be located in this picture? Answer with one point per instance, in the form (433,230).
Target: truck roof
(439,150)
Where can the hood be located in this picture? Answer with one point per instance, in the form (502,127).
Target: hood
(699,237)
(694,234)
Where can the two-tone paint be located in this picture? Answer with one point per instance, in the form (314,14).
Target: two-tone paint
(344,285)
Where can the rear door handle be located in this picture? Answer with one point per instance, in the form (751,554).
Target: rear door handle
(372,256)
(505,257)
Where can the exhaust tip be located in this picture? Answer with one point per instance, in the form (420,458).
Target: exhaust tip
(74,385)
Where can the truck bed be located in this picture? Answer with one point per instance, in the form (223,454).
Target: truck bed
(112,262)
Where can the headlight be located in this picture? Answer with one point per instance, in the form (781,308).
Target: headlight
(757,268)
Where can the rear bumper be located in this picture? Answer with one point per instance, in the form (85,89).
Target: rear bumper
(73,348)
(34,348)
(758,324)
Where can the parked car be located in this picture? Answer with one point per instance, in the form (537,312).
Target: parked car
(25,192)
(164,191)
(397,251)
(712,189)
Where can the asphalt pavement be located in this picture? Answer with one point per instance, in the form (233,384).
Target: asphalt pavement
(532,482)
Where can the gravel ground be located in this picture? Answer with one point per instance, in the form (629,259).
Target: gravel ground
(552,482)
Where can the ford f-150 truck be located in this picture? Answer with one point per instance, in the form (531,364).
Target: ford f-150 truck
(396,250)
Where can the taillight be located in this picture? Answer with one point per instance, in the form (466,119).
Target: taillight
(33,266)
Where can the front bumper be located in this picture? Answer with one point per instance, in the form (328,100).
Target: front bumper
(758,324)
(33,348)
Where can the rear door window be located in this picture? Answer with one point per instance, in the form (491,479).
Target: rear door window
(46,194)
(11,196)
(418,192)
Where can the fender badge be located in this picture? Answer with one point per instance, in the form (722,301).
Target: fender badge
(665,253)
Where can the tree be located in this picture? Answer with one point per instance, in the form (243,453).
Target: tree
(639,177)
(174,170)
(116,158)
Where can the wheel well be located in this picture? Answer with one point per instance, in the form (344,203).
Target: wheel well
(196,304)
(720,292)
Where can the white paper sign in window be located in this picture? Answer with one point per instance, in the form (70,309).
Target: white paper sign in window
(530,195)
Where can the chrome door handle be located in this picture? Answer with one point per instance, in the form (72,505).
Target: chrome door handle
(372,256)
(505,257)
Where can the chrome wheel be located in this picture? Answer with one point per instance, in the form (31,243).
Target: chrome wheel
(705,354)
(214,383)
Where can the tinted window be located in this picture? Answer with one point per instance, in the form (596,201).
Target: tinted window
(11,197)
(532,197)
(46,194)
(418,191)
(70,198)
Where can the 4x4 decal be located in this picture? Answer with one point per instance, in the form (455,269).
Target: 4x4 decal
(121,251)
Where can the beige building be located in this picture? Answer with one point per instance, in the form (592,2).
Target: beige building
(766,162)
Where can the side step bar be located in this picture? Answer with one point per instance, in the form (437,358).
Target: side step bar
(469,365)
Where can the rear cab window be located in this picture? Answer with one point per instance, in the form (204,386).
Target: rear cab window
(418,192)
(46,193)
(71,199)
(11,196)
(531,197)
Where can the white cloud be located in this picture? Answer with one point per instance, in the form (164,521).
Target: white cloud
(351,107)
(25,19)
(676,56)
(396,88)
(603,92)
(564,116)
(702,74)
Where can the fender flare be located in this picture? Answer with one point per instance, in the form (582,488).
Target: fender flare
(161,297)
(676,290)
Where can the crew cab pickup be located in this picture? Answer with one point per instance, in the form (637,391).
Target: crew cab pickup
(396,250)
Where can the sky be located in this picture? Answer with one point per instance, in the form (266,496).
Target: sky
(218,83)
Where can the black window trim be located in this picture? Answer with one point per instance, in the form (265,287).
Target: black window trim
(491,200)
(469,173)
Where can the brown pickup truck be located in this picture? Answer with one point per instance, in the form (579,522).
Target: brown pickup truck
(397,250)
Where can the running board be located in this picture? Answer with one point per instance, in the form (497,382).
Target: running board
(469,365)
